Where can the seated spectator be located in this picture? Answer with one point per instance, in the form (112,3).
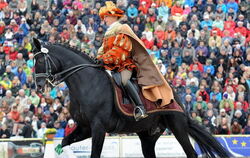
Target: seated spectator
(177,12)
(6,82)
(220,12)
(196,117)
(42,130)
(210,116)
(59,130)
(70,127)
(232,13)
(200,102)
(216,93)
(9,35)
(27,130)
(203,93)
(246,129)
(236,127)
(168,3)
(188,104)
(15,115)
(26,112)
(170,34)
(206,22)
(202,49)
(192,78)
(223,127)
(216,38)
(4,132)
(161,67)
(187,10)
(21,75)
(187,57)
(241,29)
(143,7)
(210,106)
(195,31)
(163,11)
(218,23)
(227,104)
(240,116)
(132,12)
(233,5)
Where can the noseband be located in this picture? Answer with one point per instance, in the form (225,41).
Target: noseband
(55,79)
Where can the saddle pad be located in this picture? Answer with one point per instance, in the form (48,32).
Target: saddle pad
(128,109)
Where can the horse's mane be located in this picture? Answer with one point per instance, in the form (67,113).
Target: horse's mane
(76,51)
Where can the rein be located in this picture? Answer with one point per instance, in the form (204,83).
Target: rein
(55,79)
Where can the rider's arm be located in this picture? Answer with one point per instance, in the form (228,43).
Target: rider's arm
(122,46)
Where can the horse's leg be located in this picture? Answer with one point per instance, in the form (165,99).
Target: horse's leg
(80,133)
(179,126)
(148,143)
(98,136)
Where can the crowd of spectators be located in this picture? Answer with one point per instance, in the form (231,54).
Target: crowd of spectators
(202,47)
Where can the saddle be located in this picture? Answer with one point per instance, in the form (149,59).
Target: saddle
(126,107)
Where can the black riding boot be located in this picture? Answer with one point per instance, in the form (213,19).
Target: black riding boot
(139,111)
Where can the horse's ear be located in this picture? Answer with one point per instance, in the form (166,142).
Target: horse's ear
(37,44)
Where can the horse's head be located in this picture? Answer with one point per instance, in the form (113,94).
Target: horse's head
(46,66)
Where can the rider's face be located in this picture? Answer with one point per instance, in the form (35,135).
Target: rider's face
(109,20)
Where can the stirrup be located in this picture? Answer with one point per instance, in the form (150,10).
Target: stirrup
(141,114)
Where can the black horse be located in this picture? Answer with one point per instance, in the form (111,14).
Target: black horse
(92,106)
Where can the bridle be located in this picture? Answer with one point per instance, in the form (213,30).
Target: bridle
(55,79)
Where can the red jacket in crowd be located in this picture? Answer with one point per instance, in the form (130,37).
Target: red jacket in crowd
(241,30)
(176,10)
(69,130)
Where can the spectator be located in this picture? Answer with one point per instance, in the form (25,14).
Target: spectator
(70,127)
(236,127)
(232,4)
(223,127)
(14,114)
(4,132)
(247,128)
(59,130)
(163,11)
(27,130)
(42,130)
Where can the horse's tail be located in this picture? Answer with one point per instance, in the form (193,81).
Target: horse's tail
(207,143)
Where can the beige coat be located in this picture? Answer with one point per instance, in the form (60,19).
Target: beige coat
(154,86)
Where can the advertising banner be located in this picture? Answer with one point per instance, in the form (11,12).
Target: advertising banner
(238,146)
(21,149)
(82,149)
(165,147)
(122,147)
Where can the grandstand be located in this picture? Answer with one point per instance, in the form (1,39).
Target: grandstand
(202,47)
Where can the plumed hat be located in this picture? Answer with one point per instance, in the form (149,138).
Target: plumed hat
(110,10)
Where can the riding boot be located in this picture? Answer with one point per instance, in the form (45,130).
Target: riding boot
(139,111)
